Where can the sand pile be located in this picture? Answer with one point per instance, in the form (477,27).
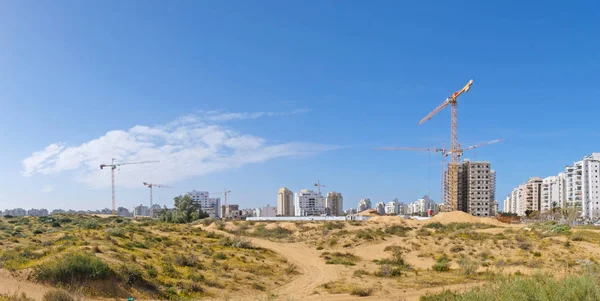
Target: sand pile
(368,212)
(462,217)
(287,226)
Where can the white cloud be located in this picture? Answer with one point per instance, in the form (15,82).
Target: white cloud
(189,146)
(48,188)
(217,116)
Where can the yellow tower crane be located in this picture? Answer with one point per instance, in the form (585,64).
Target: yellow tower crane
(454,145)
(443,151)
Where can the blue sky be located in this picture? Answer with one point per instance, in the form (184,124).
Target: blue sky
(284,93)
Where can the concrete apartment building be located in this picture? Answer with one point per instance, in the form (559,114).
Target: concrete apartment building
(285,202)
(578,187)
(394,208)
(380,207)
(334,204)
(528,196)
(141,211)
(308,203)
(582,186)
(422,206)
(476,188)
(363,205)
(230,211)
(553,192)
(267,211)
(209,205)
(37,212)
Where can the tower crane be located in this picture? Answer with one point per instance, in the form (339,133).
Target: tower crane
(319,185)
(150,185)
(224,193)
(444,152)
(454,145)
(114,166)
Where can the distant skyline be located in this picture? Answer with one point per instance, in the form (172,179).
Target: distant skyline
(253,97)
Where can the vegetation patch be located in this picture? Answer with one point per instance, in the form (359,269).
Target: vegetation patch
(340,258)
(537,287)
(72,268)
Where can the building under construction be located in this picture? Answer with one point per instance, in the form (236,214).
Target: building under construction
(476,185)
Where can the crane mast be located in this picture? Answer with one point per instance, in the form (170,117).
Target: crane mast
(150,185)
(454,144)
(114,166)
(444,152)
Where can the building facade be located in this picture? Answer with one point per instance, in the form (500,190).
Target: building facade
(285,202)
(212,206)
(308,203)
(392,208)
(422,206)
(553,192)
(363,205)
(380,207)
(525,198)
(267,211)
(141,211)
(476,188)
(334,204)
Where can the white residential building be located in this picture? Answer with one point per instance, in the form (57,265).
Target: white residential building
(308,203)
(207,204)
(553,192)
(363,205)
(267,211)
(380,207)
(526,197)
(421,206)
(393,207)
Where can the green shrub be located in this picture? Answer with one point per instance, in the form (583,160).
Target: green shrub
(58,295)
(441,265)
(72,267)
(152,273)
(397,230)
(220,256)
(237,242)
(15,297)
(361,292)
(340,258)
(468,267)
(535,288)
(577,237)
(423,232)
(130,273)
(118,232)
(184,260)
(37,231)
(90,224)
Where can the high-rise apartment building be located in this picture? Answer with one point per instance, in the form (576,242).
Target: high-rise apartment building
(527,197)
(308,203)
(475,193)
(285,202)
(380,207)
(363,205)
(583,189)
(553,192)
(334,203)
